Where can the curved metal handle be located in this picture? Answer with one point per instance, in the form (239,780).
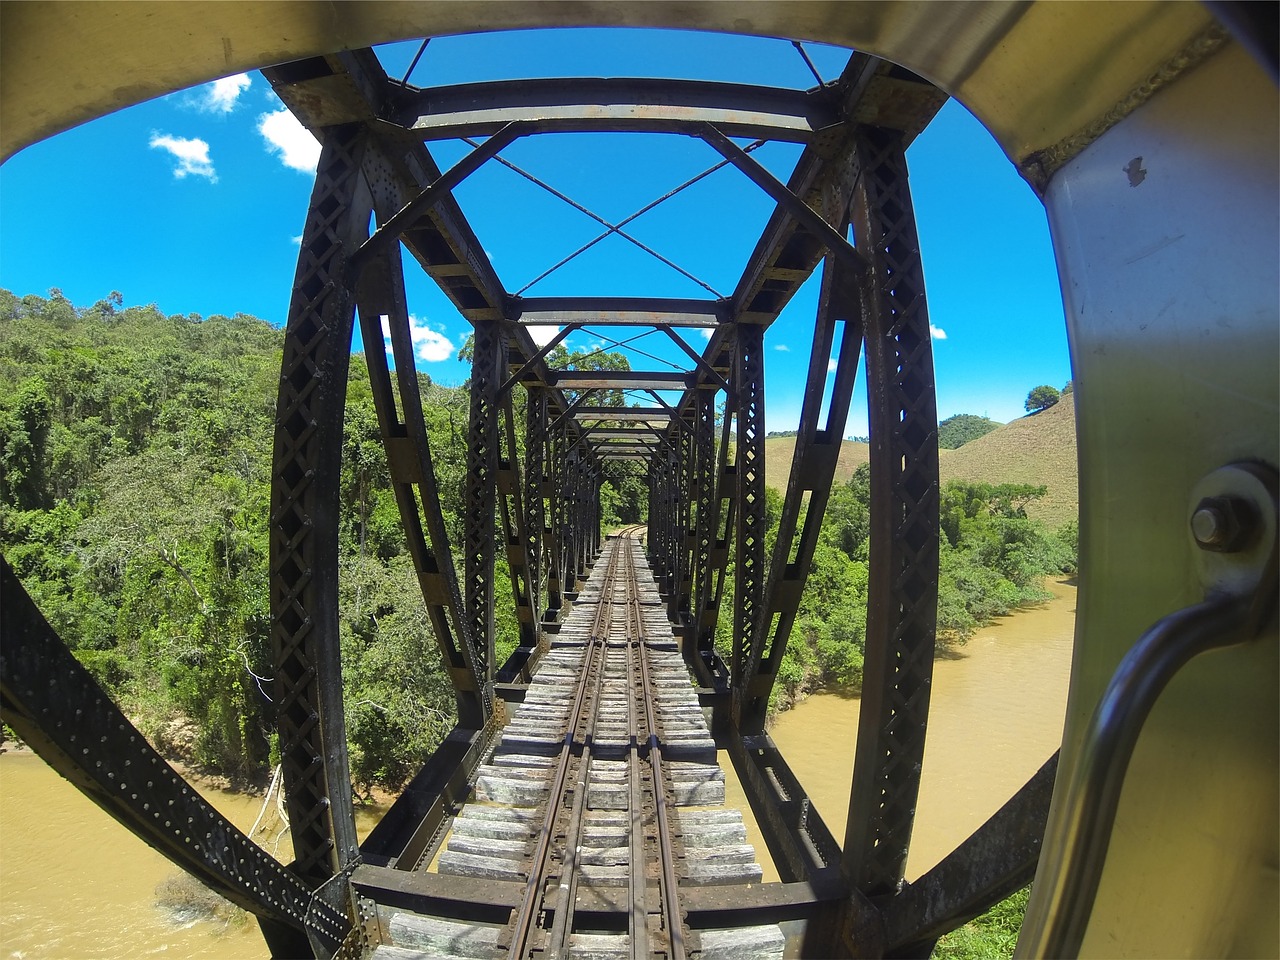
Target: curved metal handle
(1243,594)
(1097,778)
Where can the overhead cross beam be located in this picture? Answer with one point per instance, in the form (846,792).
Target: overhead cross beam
(618,104)
(618,311)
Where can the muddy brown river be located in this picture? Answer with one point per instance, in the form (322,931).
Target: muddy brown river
(75,884)
(996,714)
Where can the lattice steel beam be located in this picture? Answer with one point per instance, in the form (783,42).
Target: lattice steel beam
(749,546)
(305,486)
(657,415)
(535,444)
(620,380)
(618,311)
(516,530)
(903,587)
(57,708)
(489,362)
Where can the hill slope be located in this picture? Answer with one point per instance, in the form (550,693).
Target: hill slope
(1039,449)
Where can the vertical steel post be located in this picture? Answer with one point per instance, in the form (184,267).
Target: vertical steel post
(703,520)
(535,455)
(557,548)
(305,485)
(686,492)
(721,521)
(748,573)
(903,587)
(488,368)
(515,527)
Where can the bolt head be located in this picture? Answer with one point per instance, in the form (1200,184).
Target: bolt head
(1224,524)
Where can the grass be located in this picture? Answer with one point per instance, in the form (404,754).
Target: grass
(1038,449)
(991,936)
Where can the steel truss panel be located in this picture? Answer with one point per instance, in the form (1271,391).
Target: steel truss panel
(902,601)
(748,581)
(813,467)
(380,292)
(535,441)
(515,528)
(614,104)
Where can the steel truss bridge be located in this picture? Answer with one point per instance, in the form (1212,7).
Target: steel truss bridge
(846,213)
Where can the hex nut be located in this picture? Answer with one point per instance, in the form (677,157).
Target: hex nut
(1224,524)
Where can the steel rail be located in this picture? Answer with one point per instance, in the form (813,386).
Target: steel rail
(638,915)
(528,910)
(667,877)
(557,946)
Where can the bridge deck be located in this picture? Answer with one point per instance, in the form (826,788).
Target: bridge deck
(600,802)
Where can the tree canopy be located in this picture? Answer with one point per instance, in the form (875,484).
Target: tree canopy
(956,431)
(1041,398)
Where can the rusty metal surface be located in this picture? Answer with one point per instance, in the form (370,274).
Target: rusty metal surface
(381,293)
(305,482)
(997,859)
(56,707)
(902,602)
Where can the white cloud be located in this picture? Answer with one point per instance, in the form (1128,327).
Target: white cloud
(296,241)
(192,156)
(542,335)
(706,333)
(429,345)
(290,140)
(782,348)
(221,95)
(937,332)
(832,364)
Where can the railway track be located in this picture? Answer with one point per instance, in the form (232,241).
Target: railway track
(602,797)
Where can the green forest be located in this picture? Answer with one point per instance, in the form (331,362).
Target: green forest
(135,458)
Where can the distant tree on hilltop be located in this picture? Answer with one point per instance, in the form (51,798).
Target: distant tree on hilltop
(956,431)
(1041,398)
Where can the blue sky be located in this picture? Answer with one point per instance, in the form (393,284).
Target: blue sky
(195,202)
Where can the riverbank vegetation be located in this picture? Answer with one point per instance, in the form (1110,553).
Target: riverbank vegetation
(992,559)
(135,457)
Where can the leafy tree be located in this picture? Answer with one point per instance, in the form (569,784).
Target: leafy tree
(1041,398)
(956,431)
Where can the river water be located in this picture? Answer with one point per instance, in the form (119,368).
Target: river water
(75,884)
(996,714)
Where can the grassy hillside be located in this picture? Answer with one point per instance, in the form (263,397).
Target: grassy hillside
(1039,449)
(778,452)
